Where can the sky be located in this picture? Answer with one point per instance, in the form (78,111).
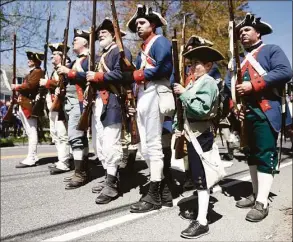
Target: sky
(277,13)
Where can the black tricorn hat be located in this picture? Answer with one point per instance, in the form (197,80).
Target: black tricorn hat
(204,54)
(108,25)
(147,13)
(58,47)
(82,33)
(196,41)
(250,20)
(35,56)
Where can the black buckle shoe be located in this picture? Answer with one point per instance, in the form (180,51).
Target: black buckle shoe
(195,230)
(104,199)
(143,207)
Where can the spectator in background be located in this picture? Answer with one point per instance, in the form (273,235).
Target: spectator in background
(17,124)
(5,125)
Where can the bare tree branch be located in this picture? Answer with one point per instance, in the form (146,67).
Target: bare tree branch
(23,16)
(3,3)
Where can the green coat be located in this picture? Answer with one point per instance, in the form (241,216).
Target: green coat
(200,101)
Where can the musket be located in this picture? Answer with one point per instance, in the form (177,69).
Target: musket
(235,55)
(179,142)
(84,120)
(283,127)
(9,115)
(181,58)
(57,104)
(125,65)
(39,105)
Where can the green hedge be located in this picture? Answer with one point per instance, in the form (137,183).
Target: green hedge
(6,142)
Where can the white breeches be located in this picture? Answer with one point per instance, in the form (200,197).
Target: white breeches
(106,140)
(150,125)
(59,135)
(30,126)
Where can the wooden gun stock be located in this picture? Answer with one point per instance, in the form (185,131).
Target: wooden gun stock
(125,65)
(57,105)
(84,121)
(239,100)
(89,94)
(179,143)
(38,109)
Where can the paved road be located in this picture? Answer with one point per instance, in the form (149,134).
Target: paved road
(35,206)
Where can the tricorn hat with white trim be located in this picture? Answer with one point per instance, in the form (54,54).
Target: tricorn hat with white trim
(82,33)
(108,25)
(35,56)
(196,41)
(147,13)
(58,47)
(250,20)
(204,54)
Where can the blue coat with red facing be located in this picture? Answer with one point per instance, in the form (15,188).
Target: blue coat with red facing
(111,113)
(161,59)
(274,61)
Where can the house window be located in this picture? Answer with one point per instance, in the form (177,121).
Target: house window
(7,97)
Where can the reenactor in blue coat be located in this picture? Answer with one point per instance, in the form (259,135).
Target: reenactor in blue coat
(265,71)
(73,106)
(154,102)
(107,110)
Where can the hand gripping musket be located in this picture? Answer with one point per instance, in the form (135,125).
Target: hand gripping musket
(126,65)
(234,54)
(84,121)
(179,143)
(9,115)
(38,108)
(57,104)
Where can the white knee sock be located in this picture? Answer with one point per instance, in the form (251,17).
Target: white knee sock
(156,170)
(265,182)
(226,133)
(254,181)
(203,205)
(112,170)
(77,154)
(103,162)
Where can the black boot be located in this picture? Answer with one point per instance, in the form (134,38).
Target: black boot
(151,201)
(109,191)
(100,185)
(230,155)
(166,184)
(131,160)
(80,177)
(167,199)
